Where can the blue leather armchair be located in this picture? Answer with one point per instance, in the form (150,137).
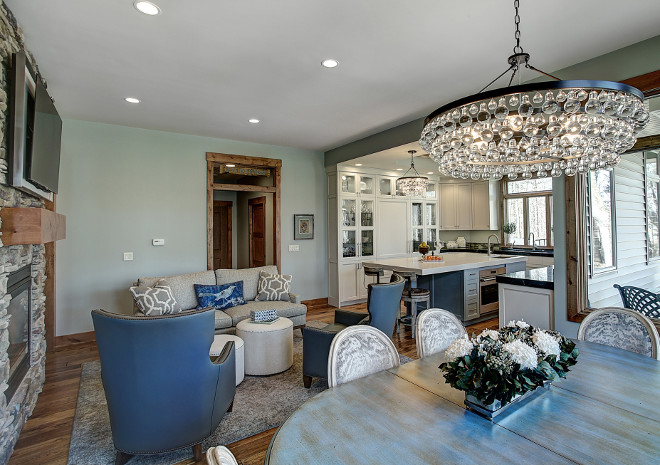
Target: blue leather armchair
(163,390)
(383,303)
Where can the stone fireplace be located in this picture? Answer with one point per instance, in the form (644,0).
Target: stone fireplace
(22,335)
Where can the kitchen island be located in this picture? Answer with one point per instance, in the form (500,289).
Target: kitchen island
(528,296)
(455,283)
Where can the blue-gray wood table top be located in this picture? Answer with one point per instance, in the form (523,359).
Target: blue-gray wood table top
(605,411)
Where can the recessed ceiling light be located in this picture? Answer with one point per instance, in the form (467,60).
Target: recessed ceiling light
(358,164)
(132,100)
(253,120)
(430,172)
(399,169)
(230,166)
(147,8)
(329,63)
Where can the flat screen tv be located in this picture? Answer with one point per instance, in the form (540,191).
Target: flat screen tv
(35,133)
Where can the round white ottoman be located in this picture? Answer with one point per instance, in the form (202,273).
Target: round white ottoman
(268,347)
(219,341)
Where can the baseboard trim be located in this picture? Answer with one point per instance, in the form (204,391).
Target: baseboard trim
(73,339)
(321,301)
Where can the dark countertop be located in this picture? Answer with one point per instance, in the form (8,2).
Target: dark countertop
(478,248)
(539,277)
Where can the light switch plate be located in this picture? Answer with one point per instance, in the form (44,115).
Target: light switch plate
(294,248)
(158,242)
(128,256)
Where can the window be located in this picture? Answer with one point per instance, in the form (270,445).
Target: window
(652,176)
(528,204)
(601,231)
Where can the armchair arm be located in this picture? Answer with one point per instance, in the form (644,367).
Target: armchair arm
(349,318)
(316,347)
(224,354)
(294,298)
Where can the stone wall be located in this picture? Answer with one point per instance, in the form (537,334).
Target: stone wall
(14,414)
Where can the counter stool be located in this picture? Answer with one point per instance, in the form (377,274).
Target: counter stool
(415,296)
(376,271)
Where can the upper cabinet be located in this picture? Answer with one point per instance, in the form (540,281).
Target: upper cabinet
(364,185)
(456,206)
(485,205)
(468,206)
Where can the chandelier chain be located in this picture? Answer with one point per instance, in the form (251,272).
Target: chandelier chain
(517,48)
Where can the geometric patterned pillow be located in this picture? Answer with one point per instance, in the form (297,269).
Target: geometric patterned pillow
(157,300)
(273,287)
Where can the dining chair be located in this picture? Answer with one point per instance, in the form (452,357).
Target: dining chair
(622,328)
(383,301)
(359,351)
(436,330)
(220,455)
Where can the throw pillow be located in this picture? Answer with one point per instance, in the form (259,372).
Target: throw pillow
(220,296)
(157,300)
(273,286)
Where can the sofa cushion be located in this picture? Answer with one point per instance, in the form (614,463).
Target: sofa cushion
(285,309)
(219,296)
(222,320)
(182,286)
(249,276)
(156,300)
(273,287)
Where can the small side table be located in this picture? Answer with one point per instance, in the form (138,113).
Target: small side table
(219,341)
(268,347)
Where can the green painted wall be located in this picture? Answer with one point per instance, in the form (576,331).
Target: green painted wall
(121,187)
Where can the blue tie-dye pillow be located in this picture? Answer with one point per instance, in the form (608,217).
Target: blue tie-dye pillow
(222,296)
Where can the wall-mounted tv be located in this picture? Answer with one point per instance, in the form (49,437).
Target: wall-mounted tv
(35,133)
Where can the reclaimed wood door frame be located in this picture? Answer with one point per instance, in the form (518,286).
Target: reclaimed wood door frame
(275,165)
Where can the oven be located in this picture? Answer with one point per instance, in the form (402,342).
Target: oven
(488,291)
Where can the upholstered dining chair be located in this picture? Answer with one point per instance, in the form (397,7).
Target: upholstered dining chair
(436,330)
(622,328)
(220,455)
(359,351)
(163,390)
(383,301)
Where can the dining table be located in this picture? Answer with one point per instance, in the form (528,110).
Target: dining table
(606,411)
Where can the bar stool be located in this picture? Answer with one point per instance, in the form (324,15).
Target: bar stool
(415,296)
(376,271)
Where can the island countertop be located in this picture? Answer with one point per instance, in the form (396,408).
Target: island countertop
(455,261)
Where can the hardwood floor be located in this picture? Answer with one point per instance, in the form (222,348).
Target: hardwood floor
(46,435)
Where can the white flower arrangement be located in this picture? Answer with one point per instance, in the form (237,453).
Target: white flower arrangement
(499,365)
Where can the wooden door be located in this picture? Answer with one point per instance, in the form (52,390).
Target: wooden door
(257,231)
(222,234)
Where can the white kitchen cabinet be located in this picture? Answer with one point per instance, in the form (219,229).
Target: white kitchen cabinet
(392,231)
(348,282)
(456,206)
(423,223)
(485,206)
(535,306)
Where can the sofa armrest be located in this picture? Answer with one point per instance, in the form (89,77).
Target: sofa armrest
(348,318)
(294,298)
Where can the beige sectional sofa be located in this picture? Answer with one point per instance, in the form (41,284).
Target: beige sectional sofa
(225,320)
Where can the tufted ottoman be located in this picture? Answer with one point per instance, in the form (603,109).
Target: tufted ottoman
(268,347)
(219,341)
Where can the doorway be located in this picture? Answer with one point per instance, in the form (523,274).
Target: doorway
(222,234)
(248,233)
(257,231)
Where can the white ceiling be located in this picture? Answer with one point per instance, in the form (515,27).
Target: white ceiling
(205,67)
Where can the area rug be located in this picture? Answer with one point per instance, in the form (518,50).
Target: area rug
(261,403)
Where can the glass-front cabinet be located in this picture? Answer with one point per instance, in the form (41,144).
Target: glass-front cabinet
(424,224)
(357,216)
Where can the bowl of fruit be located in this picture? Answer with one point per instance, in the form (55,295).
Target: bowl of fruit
(423,248)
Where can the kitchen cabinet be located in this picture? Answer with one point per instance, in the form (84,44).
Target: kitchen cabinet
(423,223)
(485,205)
(534,306)
(456,206)
(392,232)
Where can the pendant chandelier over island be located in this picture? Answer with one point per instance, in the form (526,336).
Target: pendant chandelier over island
(545,128)
(412,185)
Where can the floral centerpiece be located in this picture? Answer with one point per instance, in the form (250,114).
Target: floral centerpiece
(496,367)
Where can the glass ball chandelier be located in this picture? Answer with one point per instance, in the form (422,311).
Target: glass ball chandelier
(412,185)
(545,128)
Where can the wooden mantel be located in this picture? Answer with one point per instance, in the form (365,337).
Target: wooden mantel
(31,226)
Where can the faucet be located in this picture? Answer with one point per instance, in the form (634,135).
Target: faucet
(498,241)
(533,241)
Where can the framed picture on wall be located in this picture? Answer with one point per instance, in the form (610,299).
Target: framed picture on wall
(303,227)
